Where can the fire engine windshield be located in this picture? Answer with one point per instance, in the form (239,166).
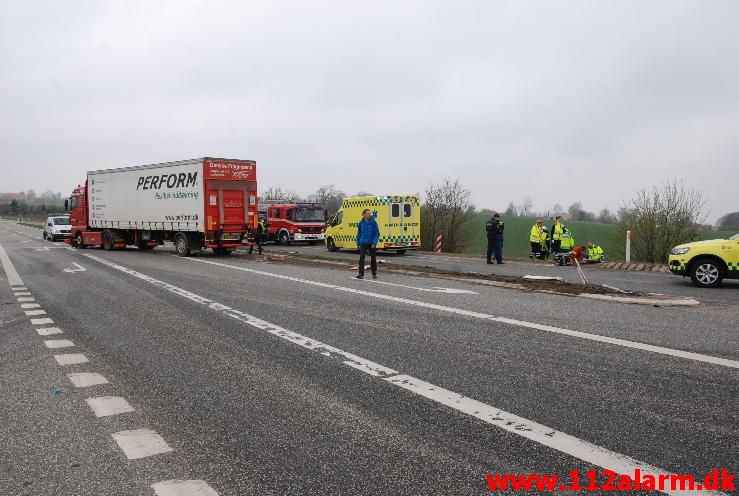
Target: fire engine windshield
(306,214)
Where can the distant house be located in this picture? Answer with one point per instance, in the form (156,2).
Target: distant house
(9,197)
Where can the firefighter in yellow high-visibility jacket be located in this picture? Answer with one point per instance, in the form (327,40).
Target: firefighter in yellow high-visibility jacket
(556,234)
(595,253)
(538,238)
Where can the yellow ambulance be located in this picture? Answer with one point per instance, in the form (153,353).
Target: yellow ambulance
(398,217)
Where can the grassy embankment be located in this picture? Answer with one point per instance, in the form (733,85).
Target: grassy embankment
(517,231)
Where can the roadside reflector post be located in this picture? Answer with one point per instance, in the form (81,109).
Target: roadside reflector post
(438,243)
(628,246)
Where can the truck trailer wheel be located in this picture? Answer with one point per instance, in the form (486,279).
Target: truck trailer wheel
(107,240)
(401,252)
(143,245)
(706,272)
(182,244)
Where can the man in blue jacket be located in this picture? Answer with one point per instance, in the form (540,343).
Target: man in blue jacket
(367,236)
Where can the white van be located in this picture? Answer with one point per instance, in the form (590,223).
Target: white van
(57,227)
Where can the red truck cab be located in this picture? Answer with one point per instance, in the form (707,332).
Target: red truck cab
(290,222)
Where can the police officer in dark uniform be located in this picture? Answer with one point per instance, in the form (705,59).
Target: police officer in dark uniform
(498,227)
(491,229)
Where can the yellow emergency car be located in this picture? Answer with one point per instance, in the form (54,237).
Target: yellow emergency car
(707,263)
(398,217)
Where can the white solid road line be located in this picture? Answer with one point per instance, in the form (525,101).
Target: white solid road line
(141,443)
(725,362)
(10,273)
(48,331)
(560,441)
(58,343)
(105,406)
(183,488)
(71,358)
(536,432)
(86,379)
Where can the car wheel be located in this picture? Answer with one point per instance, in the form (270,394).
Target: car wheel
(330,245)
(107,240)
(284,238)
(706,272)
(182,245)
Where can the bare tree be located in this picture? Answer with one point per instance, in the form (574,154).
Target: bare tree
(329,197)
(660,218)
(510,210)
(524,208)
(606,217)
(575,211)
(557,210)
(729,222)
(276,193)
(446,208)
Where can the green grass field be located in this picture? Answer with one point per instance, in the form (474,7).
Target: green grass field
(517,230)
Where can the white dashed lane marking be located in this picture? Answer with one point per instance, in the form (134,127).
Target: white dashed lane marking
(141,443)
(183,488)
(136,443)
(48,331)
(71,358)
(86,379)
(58,343)
(509,422)
(104,406)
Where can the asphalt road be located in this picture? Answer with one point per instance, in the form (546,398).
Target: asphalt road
(651,282)
(265,378)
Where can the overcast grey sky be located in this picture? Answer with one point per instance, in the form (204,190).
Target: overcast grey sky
(559,100)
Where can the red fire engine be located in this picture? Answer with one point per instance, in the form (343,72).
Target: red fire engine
(290,222)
